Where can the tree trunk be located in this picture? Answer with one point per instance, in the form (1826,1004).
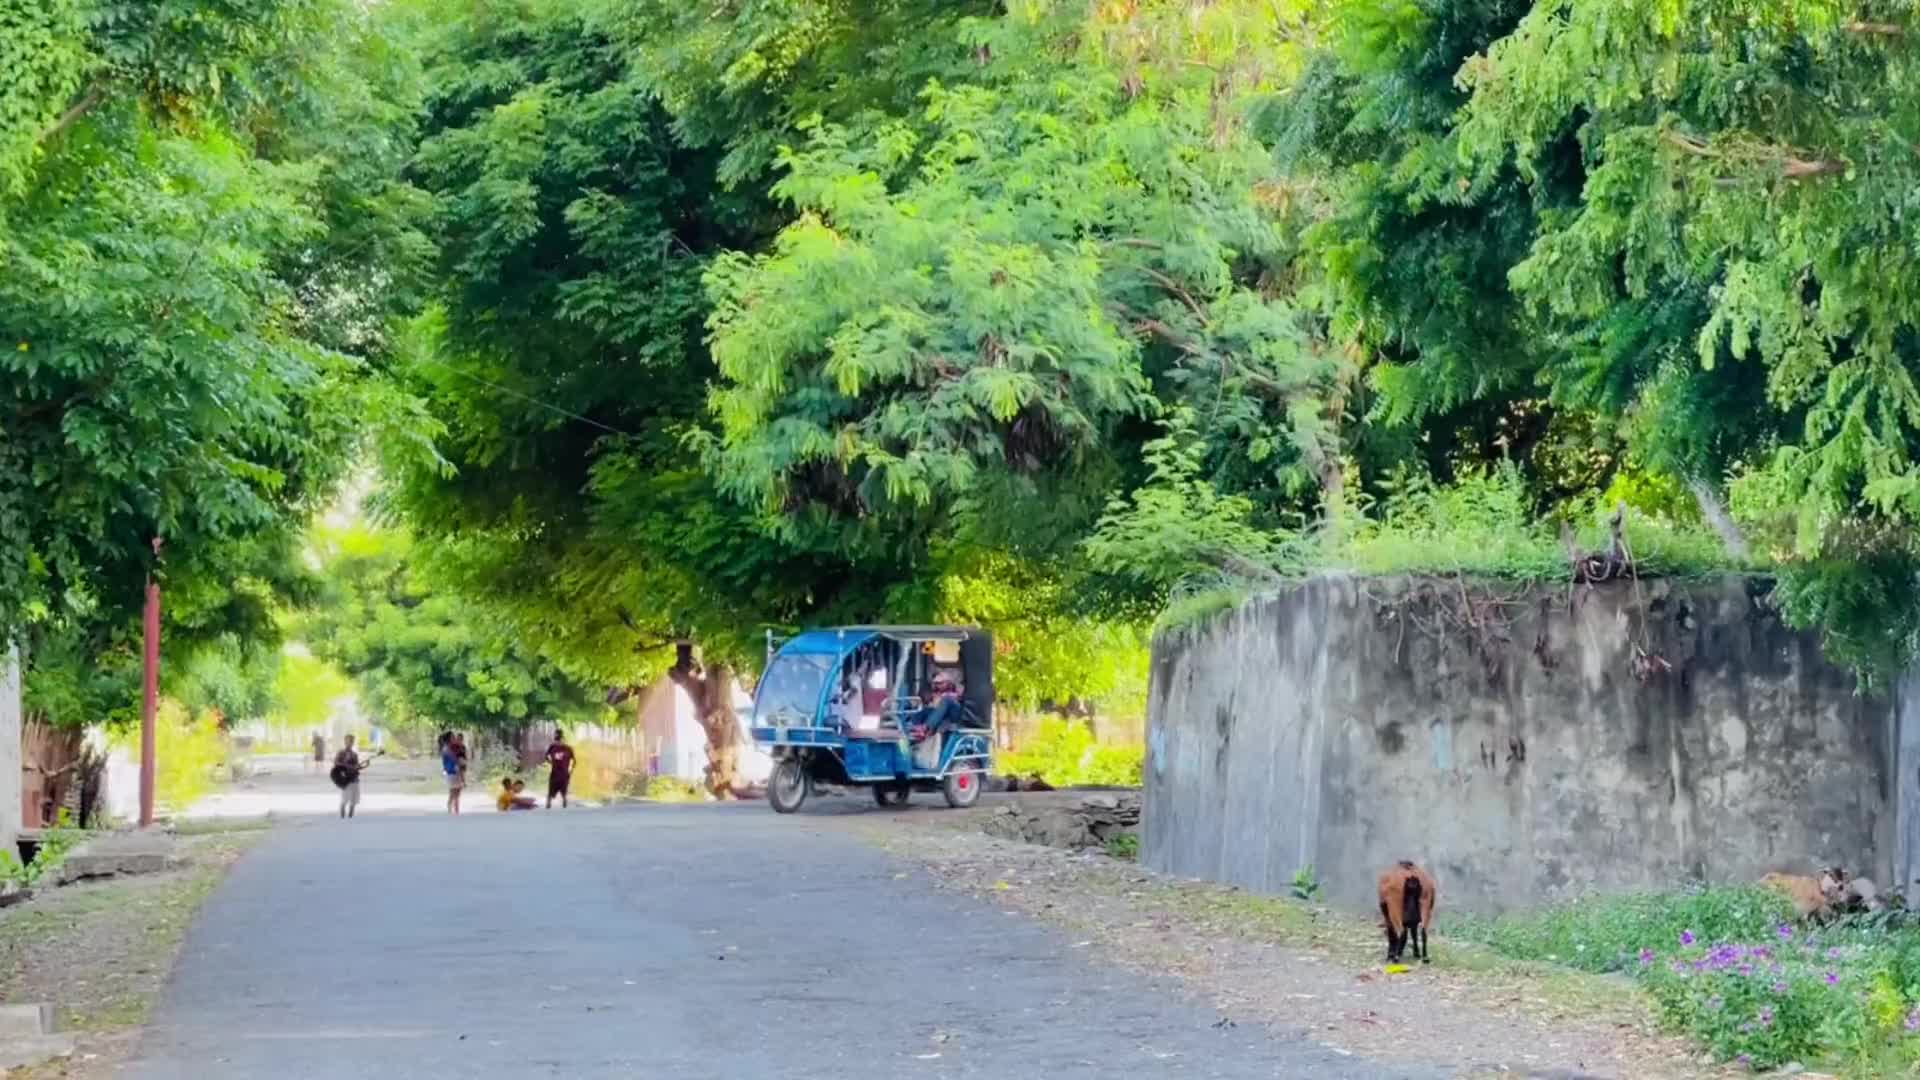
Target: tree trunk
(710,687)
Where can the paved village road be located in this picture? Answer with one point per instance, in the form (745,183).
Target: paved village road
(674,942)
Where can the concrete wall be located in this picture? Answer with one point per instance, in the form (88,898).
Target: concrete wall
(10,762)
(1525,745)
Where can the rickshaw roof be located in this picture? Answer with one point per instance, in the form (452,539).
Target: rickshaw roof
(840,640)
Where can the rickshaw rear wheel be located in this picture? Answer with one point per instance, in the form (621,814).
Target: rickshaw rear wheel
(788,786)
(892,794)
(962,789)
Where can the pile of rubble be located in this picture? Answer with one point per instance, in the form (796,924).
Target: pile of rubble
(1091,821)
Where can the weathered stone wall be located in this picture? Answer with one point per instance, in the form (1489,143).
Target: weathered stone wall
(1524,744)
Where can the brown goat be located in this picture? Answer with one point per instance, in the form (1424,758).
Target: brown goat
(1812,898)
(1407,894)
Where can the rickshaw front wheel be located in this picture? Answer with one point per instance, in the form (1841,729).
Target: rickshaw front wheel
(787,787)
(892,794)
(962,789)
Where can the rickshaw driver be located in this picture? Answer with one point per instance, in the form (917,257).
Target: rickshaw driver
(946,708)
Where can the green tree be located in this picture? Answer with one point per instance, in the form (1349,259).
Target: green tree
(170,208)
(427,658)
(566,361)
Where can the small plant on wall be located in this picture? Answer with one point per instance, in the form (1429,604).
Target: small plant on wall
(1306,884)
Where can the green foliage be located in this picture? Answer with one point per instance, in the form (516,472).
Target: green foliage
(1124,846)
(1725,966)
(200,242)
(1176,524)
(426,658)
(1064,754)
(56,844)
(1607,934)
(749,79)
(305,690)
(188,748)
(994,287)
(1305,886)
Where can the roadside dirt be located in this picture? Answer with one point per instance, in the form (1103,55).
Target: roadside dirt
(101,952)
(1293,965)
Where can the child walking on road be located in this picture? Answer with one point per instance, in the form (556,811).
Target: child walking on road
(346,776)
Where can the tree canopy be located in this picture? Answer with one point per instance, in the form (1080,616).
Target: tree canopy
(667,325)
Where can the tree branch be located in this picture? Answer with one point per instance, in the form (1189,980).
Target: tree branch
(1792,165)
(95,95)
(1175,287)
(1877,29)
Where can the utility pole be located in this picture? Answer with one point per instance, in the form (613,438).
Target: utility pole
(150,692)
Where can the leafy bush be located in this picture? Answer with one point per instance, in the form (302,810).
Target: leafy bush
(1124,846)
(1724,966)
(55,844)
(1064,754)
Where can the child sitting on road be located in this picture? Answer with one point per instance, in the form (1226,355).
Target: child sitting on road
(513,795)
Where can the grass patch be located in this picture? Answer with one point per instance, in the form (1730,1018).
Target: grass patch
(1724,966)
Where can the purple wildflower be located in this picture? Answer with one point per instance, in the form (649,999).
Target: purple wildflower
(1745,969)
(1913,1019)
(1833,953)
(1833,978)
(1646,957)
(1746,1060)
(1779,988)
(1686,937)
(1786,932)
(1766,1017)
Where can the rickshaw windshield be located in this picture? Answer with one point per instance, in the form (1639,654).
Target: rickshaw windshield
(790,690)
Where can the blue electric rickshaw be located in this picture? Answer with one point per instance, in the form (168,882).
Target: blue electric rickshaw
(894,708)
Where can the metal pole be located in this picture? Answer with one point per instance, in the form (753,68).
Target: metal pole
(150,697)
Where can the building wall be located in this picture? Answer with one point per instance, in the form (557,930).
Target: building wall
(1524,744)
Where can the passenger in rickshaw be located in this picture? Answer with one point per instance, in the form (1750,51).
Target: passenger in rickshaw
(846,702)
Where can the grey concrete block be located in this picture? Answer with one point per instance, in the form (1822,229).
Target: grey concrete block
(22,1021)
(27,1051)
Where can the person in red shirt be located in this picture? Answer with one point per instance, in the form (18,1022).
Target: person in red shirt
(560,768)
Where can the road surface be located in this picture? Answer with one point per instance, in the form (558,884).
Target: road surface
(674,942)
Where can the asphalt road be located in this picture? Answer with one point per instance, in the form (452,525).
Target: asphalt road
(673,942)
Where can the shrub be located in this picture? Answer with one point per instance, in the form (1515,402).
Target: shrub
(1306,884)
(1725,966)
(1064,754)
(188,751)
(1608,933)
(1124,846)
